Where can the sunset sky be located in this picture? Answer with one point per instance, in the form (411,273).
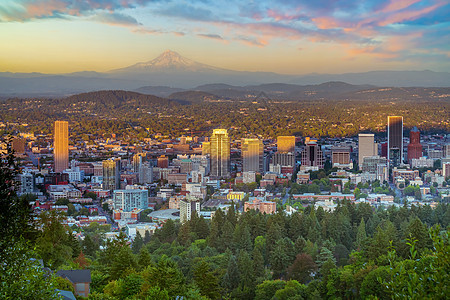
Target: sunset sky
(283,36)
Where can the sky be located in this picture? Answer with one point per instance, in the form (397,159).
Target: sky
(283,36)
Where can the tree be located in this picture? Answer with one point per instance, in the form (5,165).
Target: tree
(165,275)
(361,234)
(88,245)
(21,274)
(15,213)
(302,269)
(206,280)
(138,242)
(231,278)
(123,263)
(53,242)
(267,289)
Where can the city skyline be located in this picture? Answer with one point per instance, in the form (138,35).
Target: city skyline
(288,37)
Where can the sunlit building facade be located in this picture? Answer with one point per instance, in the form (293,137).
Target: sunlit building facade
(220,153)
(286,144)
(61,146)
(252,155)
(111,174)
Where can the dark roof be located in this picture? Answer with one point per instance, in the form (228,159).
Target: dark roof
(76,276)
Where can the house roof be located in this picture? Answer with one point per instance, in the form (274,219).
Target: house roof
(66,295)
(76,276)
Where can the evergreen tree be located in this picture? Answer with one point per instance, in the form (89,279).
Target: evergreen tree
(258,263)
(206,280)
(147,237)
(144,259)
(138,242)
(123,263)
(231,279)
(88,246)
(361,234)
(226,240)
(245,266)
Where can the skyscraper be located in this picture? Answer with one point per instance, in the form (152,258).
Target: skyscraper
(286,144)
(366,147)
(414,146)
(395,140)
(220,153)
(111,174)
(312,155)
(61,146)
(252,155)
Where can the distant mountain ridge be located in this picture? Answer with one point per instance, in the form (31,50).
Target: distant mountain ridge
(172,70)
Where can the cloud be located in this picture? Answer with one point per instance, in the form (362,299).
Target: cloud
(210,36)
(187,12)
(116,19)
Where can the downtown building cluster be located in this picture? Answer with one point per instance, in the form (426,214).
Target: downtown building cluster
(163,178)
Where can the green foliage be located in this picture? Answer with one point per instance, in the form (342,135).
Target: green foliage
(21,275)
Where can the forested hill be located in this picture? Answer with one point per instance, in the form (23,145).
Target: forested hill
(114,99)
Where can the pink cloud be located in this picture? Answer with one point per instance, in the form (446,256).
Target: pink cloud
(277,16)
(396,5)
(325,22)
(407,15)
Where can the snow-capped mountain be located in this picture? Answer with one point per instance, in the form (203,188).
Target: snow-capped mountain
(168,61)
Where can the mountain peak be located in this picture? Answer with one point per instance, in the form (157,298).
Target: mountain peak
(168,61)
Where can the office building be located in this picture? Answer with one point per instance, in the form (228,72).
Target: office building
(146,173)
(446,170)
(26,185)
(395,140)
(61,146)
(286,144)
(220,153)
(127,200)
(446,151)
(163,162)
(252,155)
(414,146)
(312,155)
(366,147)
(138,159)
(206,148)
(340,155)
(284,159)
(187,208)
(111,174)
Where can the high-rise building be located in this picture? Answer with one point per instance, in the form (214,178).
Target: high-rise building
(312,155)
(395,140)
(284,159)
(111,174)
(163,162)
(414,147)
(145,173)
(220,153)
(187,208)
(138,159)
(446,151)
(61,146)
(286,144)
(366,147)
(340,155)
(252,155)
(206,148)
(128,200)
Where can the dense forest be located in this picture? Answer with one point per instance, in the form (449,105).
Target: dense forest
(134,116)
